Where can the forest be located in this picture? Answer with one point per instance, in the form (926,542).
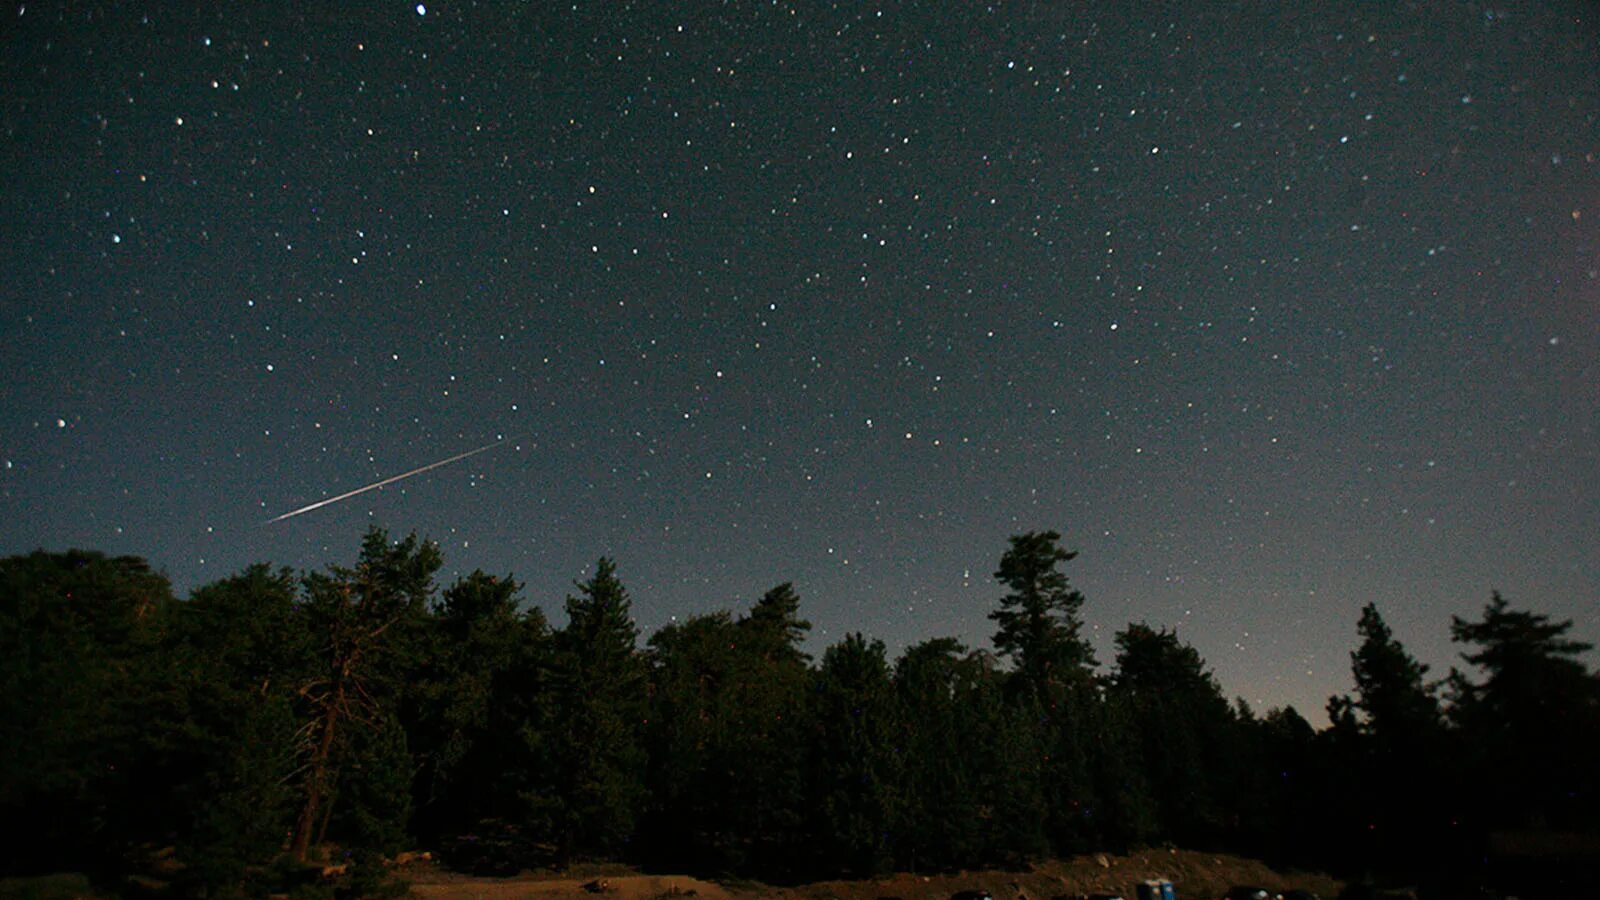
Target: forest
(274,719)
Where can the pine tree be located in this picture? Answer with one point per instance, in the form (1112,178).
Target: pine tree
(1040,627)
(83,774)
(941,813)
(764,753)
(1531,723)
(1040,630)
(364,622)
(1181,720)
(773,629)
(970,792)
(1398,706)
(600,696)
(1297,799)
(1014,769)
(241,653)
(693,665)
(727,737)
(462,736)
(1398,744)
(854,766)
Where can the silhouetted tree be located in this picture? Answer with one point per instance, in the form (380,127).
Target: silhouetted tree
(1014,768)
(239,652)
(81,779)
(1400,710)
(1039,623)
(773,630)
(1179,721)
(599,683)
(766,751)
(1392,732)
(500,805)
(854,763)
(1530,724)
(728,738)
(693,664)
(945,811)
(364,624)
(1294,828)
(462,737)
(1040,631)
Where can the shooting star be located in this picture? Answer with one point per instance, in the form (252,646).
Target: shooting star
(378,484)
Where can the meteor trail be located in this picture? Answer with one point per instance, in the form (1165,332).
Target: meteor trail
(378,484)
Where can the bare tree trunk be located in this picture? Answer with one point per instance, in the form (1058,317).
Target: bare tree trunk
(316,785)
(330,802)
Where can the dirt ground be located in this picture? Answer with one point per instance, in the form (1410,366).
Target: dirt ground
(1195,876)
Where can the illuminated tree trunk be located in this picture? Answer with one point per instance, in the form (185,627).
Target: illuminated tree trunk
(316,784)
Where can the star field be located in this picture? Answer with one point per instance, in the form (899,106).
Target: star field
(1273,312)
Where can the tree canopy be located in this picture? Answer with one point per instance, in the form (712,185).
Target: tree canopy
(272,716)
(1039,623)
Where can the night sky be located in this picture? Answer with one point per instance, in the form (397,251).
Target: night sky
(1272,309)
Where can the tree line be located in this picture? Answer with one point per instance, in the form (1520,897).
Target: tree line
(275,719)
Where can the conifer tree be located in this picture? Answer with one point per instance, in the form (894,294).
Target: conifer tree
(727,738)
(765,750)
(1530,724)
(462,735)
(693,665)
(364,623)
(240,652)
(1040,630)
(854,765)
(1039,622)
(1180,719)
(80,775)
(942,815)
(1398,706)
(1392,733)
(600,697)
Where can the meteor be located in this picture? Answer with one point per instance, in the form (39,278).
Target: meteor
(378,484)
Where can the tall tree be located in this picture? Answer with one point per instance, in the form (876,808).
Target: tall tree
(1397,748)
(1014,770)
(1181,721)
(1040,631)
(855,766)
(969,794)
(1397,705)
(941,814)
(693,664)
(364,623)
(240,653)
(1298,793)
(1531,721)
(765,751)
(727,737)
(496,804)
(464,740)
(1530,667)
(79,670)
(1039,622)
(600,683)
(773,629)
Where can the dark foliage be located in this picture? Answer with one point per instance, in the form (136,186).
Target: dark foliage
(1530,723)
(79,673)
(272,717)
(1040,621)
(598,681)
(727,739)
